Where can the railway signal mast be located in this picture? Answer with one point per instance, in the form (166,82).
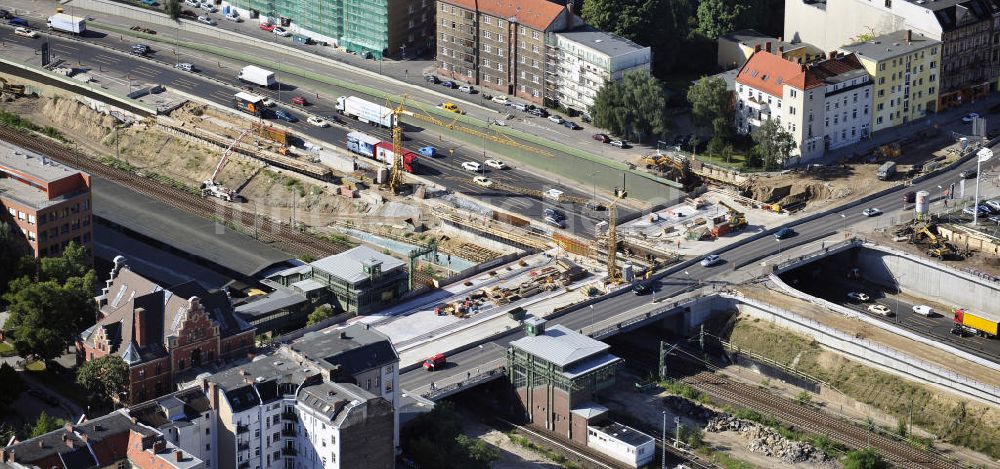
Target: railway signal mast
(212,188)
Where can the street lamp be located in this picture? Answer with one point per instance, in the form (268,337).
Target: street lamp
(982,155)
(899,290)
(593,180)
(592,317)
(779,245)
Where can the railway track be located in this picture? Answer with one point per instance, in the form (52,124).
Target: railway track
(279,235)
(811,420)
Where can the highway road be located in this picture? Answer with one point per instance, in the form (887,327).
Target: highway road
(108,57)
(678,282)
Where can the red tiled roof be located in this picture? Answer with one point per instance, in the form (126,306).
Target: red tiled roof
(535,14)
(817,73)
(768,72)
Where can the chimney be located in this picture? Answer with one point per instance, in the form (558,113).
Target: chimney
(909,35)
(68,427)
(159,446)
(343,335)
(781,39)
(781,51)
(767,46)
(831,55)
(139,327)
(178,455)
(69,441)
(756,48)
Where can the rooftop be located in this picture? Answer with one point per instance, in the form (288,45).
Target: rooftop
(198,237)
(245,385)
(752,37)
(17,159)
(350,264)
(328,399)
(604,42)
(353,349)
(535,14)
(172,409)
(107,435)
(888,46)
(561,346)
(625,434)
(769,72)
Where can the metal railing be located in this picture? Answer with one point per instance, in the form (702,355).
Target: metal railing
(488,371)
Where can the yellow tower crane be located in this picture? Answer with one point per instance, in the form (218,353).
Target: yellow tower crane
(396,173)
(614,274)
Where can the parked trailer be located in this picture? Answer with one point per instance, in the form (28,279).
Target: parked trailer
(67,24)
(983,326)
(258,76)
(364,111)
(384,153)
(248,103)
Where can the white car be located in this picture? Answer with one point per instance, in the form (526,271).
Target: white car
(208,7)
(482,181)
(193,3)
(501,100)
(619,143)
(496,164)
(880,309)
(318,121)
(858,296)
(234,18)
(207,20)
(500,123)
(466,89)
(185,66)
(711,260)
(282,32)
(21,31)
(969,117)
(871,212)
(471,166)
(923,310)
(267,102)
(556,118)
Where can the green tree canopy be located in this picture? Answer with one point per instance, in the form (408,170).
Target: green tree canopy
(865,459)
(711,101)
(320,314)
(45,423)
(435,440)
(106,377)
(173,8)
(660,24)
(11,386)
(72,263)
(773,146)
(12,255)
(634,108)
(718,17)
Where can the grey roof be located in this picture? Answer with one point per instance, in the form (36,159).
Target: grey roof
(328,399)
(589,410)
(561,346)
(589,364)
(352,349)
(263,305)
(952,14)
(199,237)
(173,409)
(245,385)
(604,42)
(349,265)
(99,431)
(888,46)
(15,158)
(625,434)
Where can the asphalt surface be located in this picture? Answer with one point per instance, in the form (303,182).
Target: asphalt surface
(108,56)
(672,285)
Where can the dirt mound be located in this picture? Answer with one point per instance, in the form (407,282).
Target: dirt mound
(816,187)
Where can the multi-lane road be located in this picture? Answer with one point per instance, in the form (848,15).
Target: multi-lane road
(672,285)
(108,59)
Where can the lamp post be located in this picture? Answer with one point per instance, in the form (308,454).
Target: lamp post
(899,290)
(663,442)
(593,318)
(593,180)
(779,245)
(844,216)
(982,155)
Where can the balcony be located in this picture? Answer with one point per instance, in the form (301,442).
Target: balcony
(288,451)
(289,432)
(243,446)
(245,465)
(289,416)
(242,428)
(757,105)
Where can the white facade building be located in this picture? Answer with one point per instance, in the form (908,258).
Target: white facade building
(186,419)
(623,443)
(589,58)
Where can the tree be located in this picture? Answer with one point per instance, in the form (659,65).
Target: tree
(481,452)
(718,17)
(634,107)
(774,144)
(435,440)
(106,376)
(173,8)
(660,24)
(11,256)
(72,263)
(867,458)
(320,314)
(45,424)
(11,387)
(37,318)
(710,100)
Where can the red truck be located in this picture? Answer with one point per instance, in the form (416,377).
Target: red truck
(435,362)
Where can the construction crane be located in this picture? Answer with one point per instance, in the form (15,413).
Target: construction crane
(396,173)
(614,274)
(212,188)
(496,136)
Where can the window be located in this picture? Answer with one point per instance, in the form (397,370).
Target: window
(21,215)
(487,19)
(487,35)
(31,219)
(792,93)
(142,373)
(535,35)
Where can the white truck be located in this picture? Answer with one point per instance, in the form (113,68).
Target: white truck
(258,76)
(364,111)
(67,24)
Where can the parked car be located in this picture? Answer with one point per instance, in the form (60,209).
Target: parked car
(555,222)
(995,219)
(432,79)
(299,100)
(193,3)
(140,49)
(449,84)
(521,106)
(603,138)
(4,14)
(556,118)
(784,233)
(858,296)
(268,102)
(923,310)
(619,143)
(571,125)
(285,116)
(538,112)
(208,7)
(501,100)
(994,204)
(318,121)
(871,212)
(482,181)
(279,31)
(496,164)
(551,212)
(967,174)
(234,17)
(267,27)
(880,309)
(467,89)
(711,260)
(207,20)
(471,166)
(18,22)
(21,31)
(969,117)
(184,66)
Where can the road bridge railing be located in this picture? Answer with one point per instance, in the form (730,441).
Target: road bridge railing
(438,389)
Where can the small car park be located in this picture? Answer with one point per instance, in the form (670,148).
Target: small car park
(482,181)
(285,116)
(603,138)
(471,166)
(871,212)
(784,233)
(318,121)
(22,31)
(858,296)
(923,310)
(496,164)
(711,260)
(207,20)
(880,309)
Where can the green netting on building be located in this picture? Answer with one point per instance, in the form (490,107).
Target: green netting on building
(361,26)
(366,26)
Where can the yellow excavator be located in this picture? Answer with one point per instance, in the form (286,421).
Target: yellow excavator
(938,248)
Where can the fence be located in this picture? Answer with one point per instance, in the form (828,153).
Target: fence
(488,371)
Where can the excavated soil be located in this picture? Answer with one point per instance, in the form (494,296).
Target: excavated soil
(819,187)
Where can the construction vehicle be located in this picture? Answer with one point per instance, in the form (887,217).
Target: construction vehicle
(212,188)
(889,151)
(938,248)
(735,221)
(982,326)
(677,168)
(886,171)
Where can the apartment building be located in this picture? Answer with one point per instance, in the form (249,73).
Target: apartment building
(823,105)
(500,44)
(186,420)
(162,332)
(114,440)
(736,47)
(969,31)
(390,28)
(905,72)
(587,59)
(46,203)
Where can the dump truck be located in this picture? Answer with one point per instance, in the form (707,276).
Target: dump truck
(248,103)
(258,76)
(365,111)
(983,327)
(886,171)
(67,24)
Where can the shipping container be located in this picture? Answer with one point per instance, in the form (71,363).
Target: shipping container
(983,326)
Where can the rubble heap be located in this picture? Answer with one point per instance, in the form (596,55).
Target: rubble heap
(681,406)
(767,441)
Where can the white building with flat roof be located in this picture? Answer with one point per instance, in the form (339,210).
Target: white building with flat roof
(623,443)
(588,58)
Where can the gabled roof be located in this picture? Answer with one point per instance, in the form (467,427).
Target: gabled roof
(535,14)
(768,72)
(829,71)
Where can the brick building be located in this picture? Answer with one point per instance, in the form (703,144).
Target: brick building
(47,202)
(162,332)
(501,45)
